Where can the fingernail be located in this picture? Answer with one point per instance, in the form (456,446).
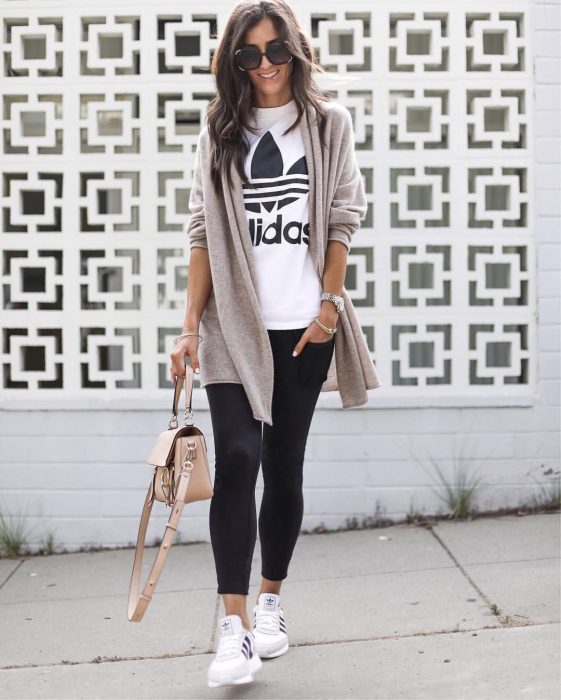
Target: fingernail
(197,370)
(294,354)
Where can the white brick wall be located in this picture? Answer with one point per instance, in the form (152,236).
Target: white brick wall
(80,472)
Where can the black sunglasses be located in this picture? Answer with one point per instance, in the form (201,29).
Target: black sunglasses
(249,57)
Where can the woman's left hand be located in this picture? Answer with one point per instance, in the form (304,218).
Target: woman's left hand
(315,333)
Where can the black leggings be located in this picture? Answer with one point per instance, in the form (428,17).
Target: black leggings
(242,443)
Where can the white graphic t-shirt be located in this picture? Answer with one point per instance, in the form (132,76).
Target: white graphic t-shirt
(277,205)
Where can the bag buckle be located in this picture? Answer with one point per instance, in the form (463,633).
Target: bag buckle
(173,421)
(167,488)
(191,452)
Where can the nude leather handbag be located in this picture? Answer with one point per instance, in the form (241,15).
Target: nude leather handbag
(181,475)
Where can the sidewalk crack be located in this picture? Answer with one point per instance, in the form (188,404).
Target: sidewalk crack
(9,576)
(470,580)
(295,645)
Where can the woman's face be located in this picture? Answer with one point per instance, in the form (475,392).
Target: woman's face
(273,91)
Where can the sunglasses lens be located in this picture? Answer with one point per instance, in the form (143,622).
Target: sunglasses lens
(278,53)
(249,58)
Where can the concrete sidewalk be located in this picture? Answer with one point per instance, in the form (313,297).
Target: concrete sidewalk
(396,612)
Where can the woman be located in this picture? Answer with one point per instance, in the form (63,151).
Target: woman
(275,199)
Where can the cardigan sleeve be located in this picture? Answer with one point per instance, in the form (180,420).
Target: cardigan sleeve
(349,205)
(196,226)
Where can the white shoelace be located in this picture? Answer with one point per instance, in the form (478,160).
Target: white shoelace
(268,621)
(229,646)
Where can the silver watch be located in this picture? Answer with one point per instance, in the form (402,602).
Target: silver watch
(338,301)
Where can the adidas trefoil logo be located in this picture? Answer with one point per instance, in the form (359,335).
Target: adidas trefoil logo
(270,186)
(226,626)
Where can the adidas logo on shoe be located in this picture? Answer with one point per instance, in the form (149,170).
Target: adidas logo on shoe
(270,602)
(269,632)
(226,626)
(236,659)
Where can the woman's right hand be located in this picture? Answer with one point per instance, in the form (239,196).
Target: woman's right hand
(185,347)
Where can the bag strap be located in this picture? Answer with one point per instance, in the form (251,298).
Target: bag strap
(138,602)
(188,379)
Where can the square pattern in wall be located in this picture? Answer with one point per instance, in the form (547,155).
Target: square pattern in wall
(101,108)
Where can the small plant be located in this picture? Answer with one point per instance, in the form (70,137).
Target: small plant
(48,543)
(549,497)
(459,494)
(378,519)
(368,522)
(413,515)
(12,535)
(352,523)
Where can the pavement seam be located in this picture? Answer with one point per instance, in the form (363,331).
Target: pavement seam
(307,580)
(481,593)
(209,588)
(359,640)
(9,576)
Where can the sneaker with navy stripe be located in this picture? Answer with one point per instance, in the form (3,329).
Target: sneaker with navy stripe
(269,626)
(236,657)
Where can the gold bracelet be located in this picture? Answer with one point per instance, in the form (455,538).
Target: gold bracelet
(331,331)
(185,335)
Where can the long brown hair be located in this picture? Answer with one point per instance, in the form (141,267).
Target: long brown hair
(229,111)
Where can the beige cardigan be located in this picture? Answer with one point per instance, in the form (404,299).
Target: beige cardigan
(235,345)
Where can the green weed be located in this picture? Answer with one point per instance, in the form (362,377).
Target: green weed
(13,535)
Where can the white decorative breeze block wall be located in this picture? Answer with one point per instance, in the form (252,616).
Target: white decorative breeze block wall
(454,273)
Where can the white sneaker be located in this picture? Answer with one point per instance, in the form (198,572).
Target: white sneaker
(269,629)
(236,657)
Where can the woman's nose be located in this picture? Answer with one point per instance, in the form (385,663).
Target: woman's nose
(265,63)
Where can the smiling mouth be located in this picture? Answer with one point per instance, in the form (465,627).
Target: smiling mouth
(269,76)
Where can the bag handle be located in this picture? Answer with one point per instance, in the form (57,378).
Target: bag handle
(188,379)
(138,602)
